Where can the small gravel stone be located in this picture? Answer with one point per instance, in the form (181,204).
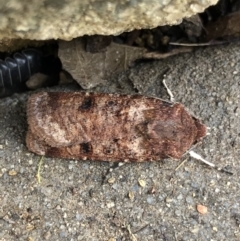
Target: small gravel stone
(189,200)
(131,195)
(180,197)
(12,173)
(63,234)
(178,213)
(47,235)
(78,217)
(142,183)
(110,204)
(112,239)
(111,180)
(150,200)
(215,229)
(168,200)
(202,209)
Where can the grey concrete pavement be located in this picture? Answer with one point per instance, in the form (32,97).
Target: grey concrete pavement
(83,200)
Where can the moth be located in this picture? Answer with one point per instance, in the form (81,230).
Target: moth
(109,127)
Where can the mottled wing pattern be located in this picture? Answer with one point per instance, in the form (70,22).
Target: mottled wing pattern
(107,127)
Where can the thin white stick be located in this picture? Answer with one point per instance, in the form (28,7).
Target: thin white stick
(168,90)
(198,157)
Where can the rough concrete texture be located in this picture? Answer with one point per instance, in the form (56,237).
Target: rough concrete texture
(67,19)
(82,200)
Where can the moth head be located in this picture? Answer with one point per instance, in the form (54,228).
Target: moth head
(201,130)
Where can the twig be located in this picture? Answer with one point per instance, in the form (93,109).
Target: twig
(157,55)
(39,169)
(132,236)
(141,229)
(197,44)
(180,165)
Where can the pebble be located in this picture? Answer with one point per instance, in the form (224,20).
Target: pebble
(202,209)
(30,227)
(36,81)
(12,173)
(135,188)
(115,186)
(195,230)
(131,195)
(47,235)
(63,234)
(180,197)
(217,190)
(189,199)
(78,217)
(110,204)
(85,166)
(215,229)
(150,200)
(168,200)
(142,183)
(111,180)
(178,213)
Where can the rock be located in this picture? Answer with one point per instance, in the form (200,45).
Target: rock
(202,209)
(37,81)
(67,19)
(142,183)
(11,45)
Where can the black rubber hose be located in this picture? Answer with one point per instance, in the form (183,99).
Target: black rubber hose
(16,70)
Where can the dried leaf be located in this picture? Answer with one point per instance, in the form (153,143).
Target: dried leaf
(91,69)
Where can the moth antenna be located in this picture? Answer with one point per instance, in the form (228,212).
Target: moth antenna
(169,91)
(198,157)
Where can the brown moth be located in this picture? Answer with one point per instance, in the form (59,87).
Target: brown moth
(109,127)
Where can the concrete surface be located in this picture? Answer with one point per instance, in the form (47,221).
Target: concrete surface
(67,19)
(82,200)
